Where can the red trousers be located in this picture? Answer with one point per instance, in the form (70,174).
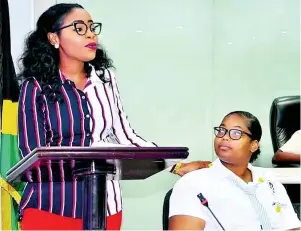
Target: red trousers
(35,219)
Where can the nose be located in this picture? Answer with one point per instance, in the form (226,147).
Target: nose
(226,136)
(90,34)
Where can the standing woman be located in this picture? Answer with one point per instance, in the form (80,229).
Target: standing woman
(69,97)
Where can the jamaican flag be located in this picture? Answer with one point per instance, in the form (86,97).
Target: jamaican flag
(9,154)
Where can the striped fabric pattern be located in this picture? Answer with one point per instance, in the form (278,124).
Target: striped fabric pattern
(258,207)
(94,115)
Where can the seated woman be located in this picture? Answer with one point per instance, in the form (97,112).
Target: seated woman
(231,194)
(290,152)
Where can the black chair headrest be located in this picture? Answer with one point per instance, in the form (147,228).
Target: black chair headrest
(284,119)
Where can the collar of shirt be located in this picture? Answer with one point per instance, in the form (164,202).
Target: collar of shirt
(226,173)
(93,79)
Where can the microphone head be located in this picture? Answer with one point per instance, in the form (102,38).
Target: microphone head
(202,199)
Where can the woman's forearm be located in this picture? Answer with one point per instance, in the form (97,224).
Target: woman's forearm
(286,158)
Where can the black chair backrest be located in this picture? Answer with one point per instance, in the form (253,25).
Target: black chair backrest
(165,214)
(284,119)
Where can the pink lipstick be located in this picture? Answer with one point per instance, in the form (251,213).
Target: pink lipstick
(92,46)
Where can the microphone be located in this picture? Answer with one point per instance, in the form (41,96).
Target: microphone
(204,202)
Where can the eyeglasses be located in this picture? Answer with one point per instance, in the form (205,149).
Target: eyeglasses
(234,134)
(81,28)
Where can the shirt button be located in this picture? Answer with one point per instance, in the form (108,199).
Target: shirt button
(88,134)
(83,97)
(87,116)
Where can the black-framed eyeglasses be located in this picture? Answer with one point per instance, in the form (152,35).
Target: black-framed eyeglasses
(81,28)
(234,134)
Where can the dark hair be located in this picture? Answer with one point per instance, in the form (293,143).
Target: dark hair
(41,60)
(253,126)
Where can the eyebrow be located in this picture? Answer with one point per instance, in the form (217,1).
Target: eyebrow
(83,21)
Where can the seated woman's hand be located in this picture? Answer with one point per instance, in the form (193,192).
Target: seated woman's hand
(191,166)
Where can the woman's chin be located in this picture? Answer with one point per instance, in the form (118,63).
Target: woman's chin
(88,57)
(225,156)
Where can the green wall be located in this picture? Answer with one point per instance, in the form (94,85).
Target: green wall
(183,64)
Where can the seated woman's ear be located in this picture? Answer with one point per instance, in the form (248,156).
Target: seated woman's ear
(254,146)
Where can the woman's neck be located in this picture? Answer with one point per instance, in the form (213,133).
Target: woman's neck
(241,171)
(74,71)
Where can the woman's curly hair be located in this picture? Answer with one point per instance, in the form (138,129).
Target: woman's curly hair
(40,59)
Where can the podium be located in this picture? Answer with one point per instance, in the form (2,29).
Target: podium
(94,166)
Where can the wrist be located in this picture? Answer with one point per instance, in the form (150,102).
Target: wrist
(176,168)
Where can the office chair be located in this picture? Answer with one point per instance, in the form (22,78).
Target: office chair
(284,119)
(166,210)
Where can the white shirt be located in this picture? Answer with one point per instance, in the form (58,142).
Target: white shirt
(293,145)
(237,205)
